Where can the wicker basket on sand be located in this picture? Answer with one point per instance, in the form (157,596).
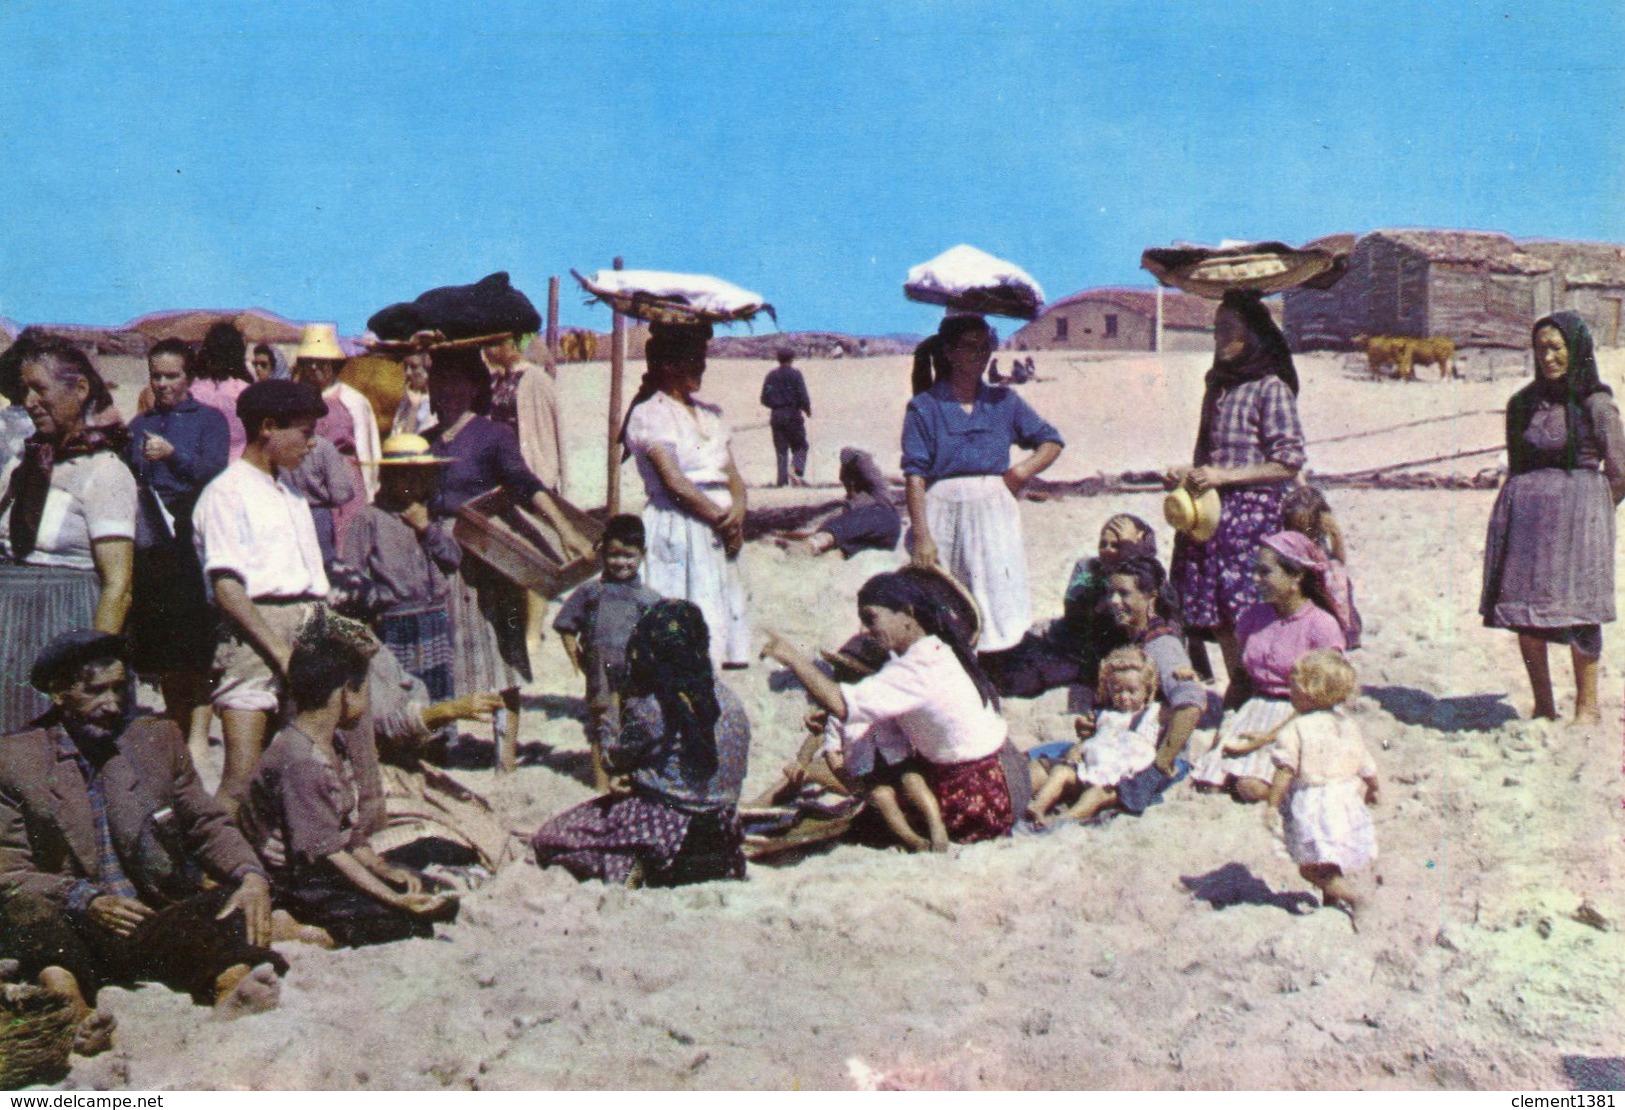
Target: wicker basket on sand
(36,1036)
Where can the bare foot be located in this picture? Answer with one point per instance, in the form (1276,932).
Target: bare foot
(1036,818)
(239,991)
(914,842)
(285,927)
(1584,718)
(940,843)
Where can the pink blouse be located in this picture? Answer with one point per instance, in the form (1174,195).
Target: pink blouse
(1271,643)
(223,396)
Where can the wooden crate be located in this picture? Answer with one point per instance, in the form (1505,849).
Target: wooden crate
(521,546)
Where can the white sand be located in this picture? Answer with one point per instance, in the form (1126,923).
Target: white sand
(1088,958)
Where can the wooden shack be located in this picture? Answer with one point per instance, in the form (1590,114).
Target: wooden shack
(1588,278)
(1115,319)
(1479,288)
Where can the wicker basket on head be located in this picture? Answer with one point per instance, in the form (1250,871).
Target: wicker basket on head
(36,1036)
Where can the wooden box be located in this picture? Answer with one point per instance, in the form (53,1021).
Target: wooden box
(523,547)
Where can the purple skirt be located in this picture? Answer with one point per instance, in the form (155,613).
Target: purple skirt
(1214,580)
(609,836)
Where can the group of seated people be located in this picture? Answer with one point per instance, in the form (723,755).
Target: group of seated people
(115,864)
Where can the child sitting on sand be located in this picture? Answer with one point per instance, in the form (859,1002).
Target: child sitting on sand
(1326,776)
(595,625)
(1305,509)
(1114,744)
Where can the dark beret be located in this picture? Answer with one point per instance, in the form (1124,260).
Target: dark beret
(72,650)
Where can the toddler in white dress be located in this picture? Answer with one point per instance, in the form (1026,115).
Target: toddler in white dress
(1325,776)
(1114,744)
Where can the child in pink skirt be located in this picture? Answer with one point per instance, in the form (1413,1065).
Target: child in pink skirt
(1325,776)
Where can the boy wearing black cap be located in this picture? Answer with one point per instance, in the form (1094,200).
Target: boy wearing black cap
(257,542)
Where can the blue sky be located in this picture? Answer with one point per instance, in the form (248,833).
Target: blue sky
(325,160)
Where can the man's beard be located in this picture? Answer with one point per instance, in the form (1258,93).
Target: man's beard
(97,735)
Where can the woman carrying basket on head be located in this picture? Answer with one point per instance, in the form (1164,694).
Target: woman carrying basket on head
(961,485)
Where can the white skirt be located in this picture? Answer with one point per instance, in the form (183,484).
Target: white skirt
(1330,824)
(1110,758)
(977,528)
(685,559)
(1256,715)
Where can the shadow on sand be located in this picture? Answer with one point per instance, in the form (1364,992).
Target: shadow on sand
(1470,713)
(1234,885)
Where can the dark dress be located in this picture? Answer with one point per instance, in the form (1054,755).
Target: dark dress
(487,611)
(171,625)
(1549,555)
(677,826)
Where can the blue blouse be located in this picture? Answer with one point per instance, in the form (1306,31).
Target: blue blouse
(941,440)
(202,442)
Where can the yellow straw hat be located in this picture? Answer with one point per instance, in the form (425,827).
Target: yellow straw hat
(320,341)
(406,449)
(1197,517)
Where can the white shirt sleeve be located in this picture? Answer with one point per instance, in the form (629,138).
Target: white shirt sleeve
(220,524)
(109,499)
(651,425)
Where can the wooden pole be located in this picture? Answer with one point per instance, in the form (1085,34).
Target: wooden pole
(553,326)
(617,372)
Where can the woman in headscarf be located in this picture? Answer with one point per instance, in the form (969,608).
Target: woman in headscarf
(961,485)
(269,363)
(1249,447)
(682,748)
(933,695)
(1296,615)
(1549,558)
(695,519)
(1067,651)
(487,611)
(67,521)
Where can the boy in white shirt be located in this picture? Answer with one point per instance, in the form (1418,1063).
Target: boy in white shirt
(257,543)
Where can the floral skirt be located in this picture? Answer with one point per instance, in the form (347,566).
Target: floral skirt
(608,837)
(1214,580)
(974,796)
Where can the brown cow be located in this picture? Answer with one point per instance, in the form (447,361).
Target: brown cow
(1404,354)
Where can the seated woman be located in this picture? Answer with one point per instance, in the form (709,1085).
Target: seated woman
(682,748)
(930,692)
(867,520)
(1137,602)
(1067,651)
(1296,616)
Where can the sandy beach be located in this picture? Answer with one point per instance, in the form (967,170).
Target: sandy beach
(1153,952)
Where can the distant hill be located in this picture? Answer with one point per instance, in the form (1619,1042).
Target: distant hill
(811,344)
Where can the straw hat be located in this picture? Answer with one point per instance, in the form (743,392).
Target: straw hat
(320,341)
(1197,517)
(406,449)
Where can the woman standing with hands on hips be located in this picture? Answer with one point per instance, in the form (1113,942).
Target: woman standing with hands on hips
(957,436)
(1249,447)
(1549,558)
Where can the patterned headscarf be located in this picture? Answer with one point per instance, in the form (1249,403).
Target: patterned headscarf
(1303,553)
(669,656)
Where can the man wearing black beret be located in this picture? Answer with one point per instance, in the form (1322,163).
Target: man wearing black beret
(104,831)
